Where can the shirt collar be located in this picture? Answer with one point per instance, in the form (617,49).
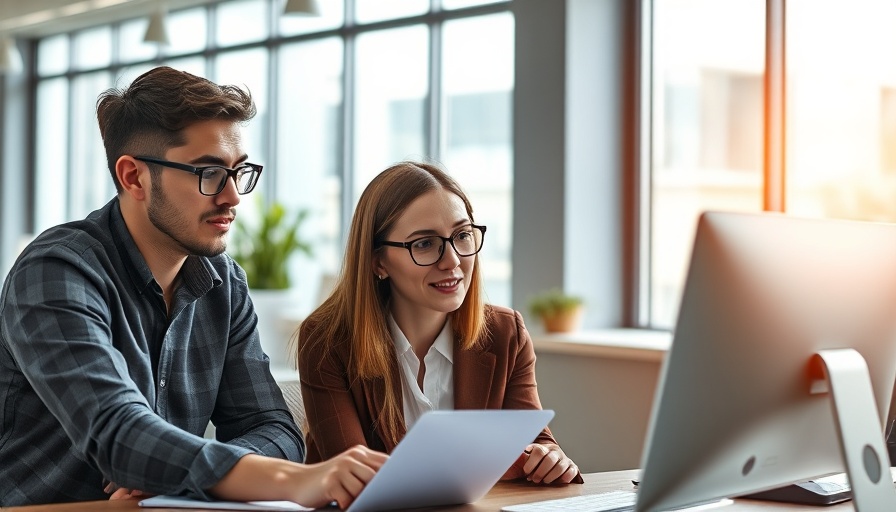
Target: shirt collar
(444,342)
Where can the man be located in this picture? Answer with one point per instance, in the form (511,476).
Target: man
(123,334)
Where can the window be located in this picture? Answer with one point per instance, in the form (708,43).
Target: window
(707,124)
(707,119)
(340,97)
(477,135)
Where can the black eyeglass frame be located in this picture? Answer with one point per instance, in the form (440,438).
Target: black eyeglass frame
(231,173)
(450,240)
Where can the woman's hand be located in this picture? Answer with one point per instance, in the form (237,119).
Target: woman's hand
(543,464)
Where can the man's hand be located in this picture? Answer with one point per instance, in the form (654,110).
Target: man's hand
(340,479)
(122,493)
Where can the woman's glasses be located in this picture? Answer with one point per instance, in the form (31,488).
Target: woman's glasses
(428,250)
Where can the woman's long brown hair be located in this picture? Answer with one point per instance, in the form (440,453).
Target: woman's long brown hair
(357,310)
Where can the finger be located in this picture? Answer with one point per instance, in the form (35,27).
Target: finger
(370,458)
(557,472)
(376,460)
(342,498)
(536,453)
(110,487)
(520,461)
(570,474)
(351,476)
(120,494)
(349,487)
(545,465)
(540,463)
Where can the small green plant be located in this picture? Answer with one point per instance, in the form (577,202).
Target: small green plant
(263,250)
(553,302)
(559,311)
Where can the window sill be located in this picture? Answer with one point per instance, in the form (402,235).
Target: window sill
(629,344)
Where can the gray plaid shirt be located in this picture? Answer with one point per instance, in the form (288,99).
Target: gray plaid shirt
(98,384)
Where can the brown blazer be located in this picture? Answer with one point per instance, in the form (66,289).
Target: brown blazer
(498,373)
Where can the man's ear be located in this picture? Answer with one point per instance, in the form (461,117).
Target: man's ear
(133,176)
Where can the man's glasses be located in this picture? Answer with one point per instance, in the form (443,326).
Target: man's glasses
(429,249)
(213,178)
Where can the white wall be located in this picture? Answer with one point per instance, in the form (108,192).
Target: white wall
(574,153)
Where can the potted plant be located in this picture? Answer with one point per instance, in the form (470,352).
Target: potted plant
(559,311)
(263,249)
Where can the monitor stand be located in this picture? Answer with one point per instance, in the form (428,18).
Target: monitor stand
(844,376)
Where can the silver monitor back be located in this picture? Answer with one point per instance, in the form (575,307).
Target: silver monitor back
(764,292)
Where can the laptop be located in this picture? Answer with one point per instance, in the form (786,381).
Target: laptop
(451,457)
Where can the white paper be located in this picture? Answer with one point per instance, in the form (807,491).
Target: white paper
(181,502)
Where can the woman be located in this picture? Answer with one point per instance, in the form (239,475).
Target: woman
(406,329)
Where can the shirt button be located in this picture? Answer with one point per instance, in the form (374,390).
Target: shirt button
(162,382)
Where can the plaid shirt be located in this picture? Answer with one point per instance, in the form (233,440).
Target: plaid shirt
(98,384)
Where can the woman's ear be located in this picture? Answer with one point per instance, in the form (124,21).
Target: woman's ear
(133,176)
(378,269)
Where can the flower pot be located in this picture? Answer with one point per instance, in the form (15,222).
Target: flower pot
(563,321)
(275,324)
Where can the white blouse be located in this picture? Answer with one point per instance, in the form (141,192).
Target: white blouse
(438,382)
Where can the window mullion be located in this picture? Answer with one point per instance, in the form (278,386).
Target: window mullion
(774,165)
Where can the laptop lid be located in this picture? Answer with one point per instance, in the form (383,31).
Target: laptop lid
(451,457)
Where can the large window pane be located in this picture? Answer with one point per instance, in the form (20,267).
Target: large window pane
(52,55)
(244,21)
(90,184)
(187,31)
(51,154)
(478,88)
(389,100)
(367,11)
(841,94)
(130,42)
(309,99)
(249,69)
(93,48)
(707,129)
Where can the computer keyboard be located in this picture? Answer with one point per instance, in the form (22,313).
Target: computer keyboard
(613,501)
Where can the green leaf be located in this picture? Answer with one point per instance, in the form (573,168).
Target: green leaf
(552,301)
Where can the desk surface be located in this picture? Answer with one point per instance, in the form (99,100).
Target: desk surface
(504,493)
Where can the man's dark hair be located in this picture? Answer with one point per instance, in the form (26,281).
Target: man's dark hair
(149,116)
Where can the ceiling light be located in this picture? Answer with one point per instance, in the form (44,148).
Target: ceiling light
(10,57)
(156,32)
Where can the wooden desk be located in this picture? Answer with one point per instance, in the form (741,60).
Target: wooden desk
(502,494)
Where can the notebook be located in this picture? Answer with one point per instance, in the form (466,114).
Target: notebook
(451,457)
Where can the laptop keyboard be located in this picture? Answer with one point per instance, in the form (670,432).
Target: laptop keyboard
(613,501)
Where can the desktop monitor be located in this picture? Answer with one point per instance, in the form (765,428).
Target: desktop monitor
(744,403)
